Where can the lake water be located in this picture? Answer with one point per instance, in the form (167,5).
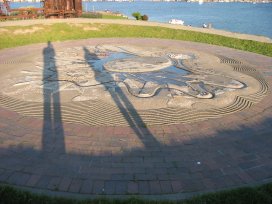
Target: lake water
(237,17)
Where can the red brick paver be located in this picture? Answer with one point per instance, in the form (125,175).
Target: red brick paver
(214,154)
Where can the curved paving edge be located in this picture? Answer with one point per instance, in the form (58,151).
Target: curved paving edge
(168,197)
(166,161)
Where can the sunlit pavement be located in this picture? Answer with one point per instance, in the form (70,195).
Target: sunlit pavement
(172,160)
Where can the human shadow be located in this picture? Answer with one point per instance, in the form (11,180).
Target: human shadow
(192,160)
(52,134)
(126,108)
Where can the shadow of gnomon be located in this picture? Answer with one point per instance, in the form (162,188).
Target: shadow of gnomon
(123,103)
(53,132)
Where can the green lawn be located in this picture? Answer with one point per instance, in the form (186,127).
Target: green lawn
(63,31)
(100,15)
(256,195)
(112,17)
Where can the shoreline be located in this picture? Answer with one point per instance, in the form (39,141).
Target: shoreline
(263,39)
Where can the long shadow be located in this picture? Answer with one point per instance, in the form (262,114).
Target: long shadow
(227,157)
(126,107)
(52,134)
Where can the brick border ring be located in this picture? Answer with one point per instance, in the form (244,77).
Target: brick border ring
(92,147)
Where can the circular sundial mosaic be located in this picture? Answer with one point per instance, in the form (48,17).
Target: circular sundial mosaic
(96,84)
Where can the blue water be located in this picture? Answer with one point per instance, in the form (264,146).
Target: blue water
(237,17)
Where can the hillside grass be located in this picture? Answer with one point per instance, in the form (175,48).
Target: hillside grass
(249,195)
(63,31)
(108,16)
(101,15)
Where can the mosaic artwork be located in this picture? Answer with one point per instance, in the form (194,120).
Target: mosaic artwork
(154,79)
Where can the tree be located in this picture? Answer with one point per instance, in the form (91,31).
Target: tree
(137,15)
(144,18)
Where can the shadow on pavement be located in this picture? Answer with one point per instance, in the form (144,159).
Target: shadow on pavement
(52,135)
(89,163)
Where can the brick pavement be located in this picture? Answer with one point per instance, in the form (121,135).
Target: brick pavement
(215,154)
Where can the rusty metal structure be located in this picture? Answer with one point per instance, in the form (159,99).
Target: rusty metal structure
(49,9)
(4,8)
(21,13)
(62,8)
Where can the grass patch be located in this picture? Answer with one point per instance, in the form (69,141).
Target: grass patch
(101,15)
(112,17)
(63,31)
(91,15)
(255,195)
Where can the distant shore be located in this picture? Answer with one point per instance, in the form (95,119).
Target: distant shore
(189,1)
(139,23)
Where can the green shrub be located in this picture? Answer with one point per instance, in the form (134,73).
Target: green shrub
(14,13)
(137,15)
(144,18)
(91,15)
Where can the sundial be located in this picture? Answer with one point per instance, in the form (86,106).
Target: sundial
(110,116)
(153,81)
